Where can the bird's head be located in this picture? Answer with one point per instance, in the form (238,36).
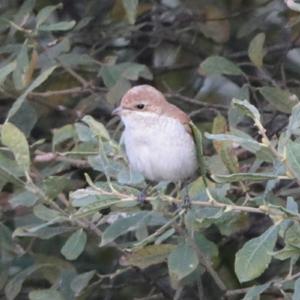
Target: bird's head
(140,102)
(145,105)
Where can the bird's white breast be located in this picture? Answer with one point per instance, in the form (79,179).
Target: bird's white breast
(159,147)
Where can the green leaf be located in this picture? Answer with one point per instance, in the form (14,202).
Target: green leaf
(112,74)
(116,92)
(127,176)
(63,134)
(147,256)
(44,231)
(287,252)
(131,7)
(246,142)
(81,281)
(48,294)
(296,294)
(37,82)
(97,128)
(6,70)
(254,292)
(207,247)
(74,245)
(25,118)
(16,141)
(199,148)
(255,256)
(84,133)
(59,26)
(89,197)
(20,72)
(256,51)
(278,98)
(10,171)
(25,198)
(46,214)
(243,177)
(293,158)
(14,286)
(45,12)
(218,65)
(24,11)
(294,121)
(182,261)
(53,185)
(122,226)
(247,108)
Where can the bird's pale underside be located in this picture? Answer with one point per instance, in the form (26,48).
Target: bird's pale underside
(157,137)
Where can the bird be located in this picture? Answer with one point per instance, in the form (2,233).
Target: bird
(158,138)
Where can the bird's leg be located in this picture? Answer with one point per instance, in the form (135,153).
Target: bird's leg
(141,198)
(186,199)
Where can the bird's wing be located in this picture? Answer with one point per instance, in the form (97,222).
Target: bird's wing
(173,111)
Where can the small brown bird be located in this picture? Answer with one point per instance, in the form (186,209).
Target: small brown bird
(158,138)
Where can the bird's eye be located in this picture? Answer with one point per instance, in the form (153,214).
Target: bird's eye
(140,106)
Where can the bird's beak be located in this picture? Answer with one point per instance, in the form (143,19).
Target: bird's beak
(117,111)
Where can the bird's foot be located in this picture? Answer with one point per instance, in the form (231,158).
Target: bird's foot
(187,203)
(142,197)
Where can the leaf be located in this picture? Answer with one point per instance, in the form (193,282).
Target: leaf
(122,226)
(89,197)
(6,70)
(256,51)
(112,74)
(97,128)
(229,158)
(254,292)
(247,108)
(207,247)
(294,121)
(278,98)
(127,176)
(45,12)
(219,127)
(219,30)
(255,256)
(296,294)
(14,286)
(10,171)
(16,141)
(37,82)
(130,7)
(243,177)
(19,74)
(59,26)
(116,92)
(182,262)
(63,134)
(54,185)
(147,256)
(47,294)
(218,65)
(44,231)
(199,148)
(25,118)
(74,245)
(25,198)
(84,133)
(81,281)
(46,214)
(246,142)
(293,158)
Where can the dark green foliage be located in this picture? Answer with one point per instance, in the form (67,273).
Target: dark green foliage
(71,224)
